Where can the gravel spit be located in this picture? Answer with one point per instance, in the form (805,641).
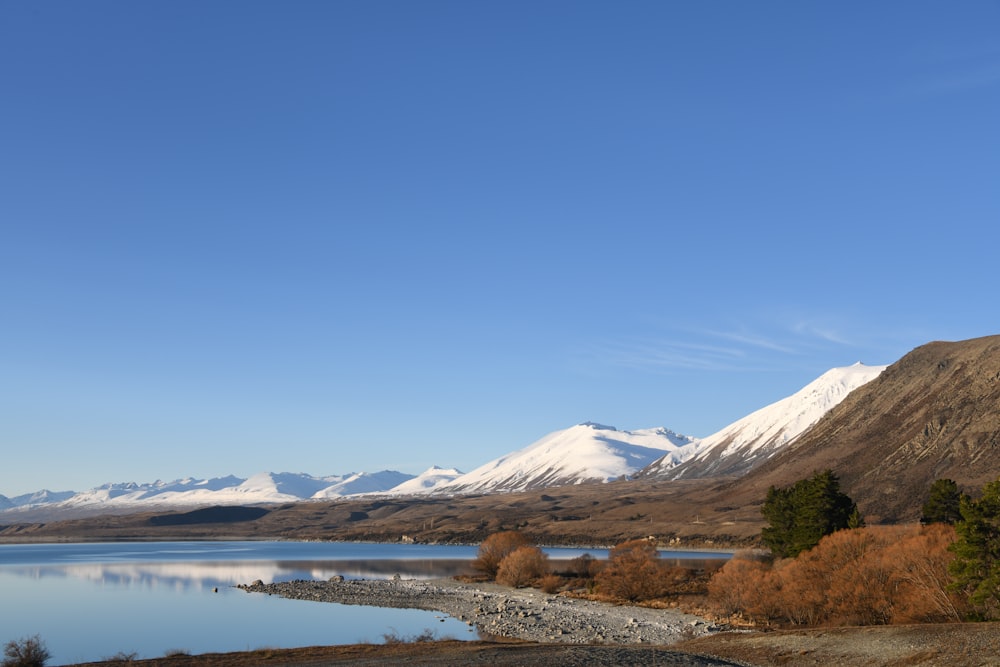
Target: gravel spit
(496,611)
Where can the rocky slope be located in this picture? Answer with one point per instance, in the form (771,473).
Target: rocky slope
(934,413)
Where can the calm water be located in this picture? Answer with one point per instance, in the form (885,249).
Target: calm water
(92,601)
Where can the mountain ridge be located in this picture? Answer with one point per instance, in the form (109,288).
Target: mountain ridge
(747,442)
(589,452)
(935,413)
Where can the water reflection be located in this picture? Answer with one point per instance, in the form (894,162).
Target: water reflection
(91,601)
(204,575)
(89,611)
(201,575)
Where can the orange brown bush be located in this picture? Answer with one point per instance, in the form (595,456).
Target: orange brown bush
(865,576)
(522,566)
(495,548)
(634,572)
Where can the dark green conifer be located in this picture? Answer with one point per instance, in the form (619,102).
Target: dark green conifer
(799,516)
(976,568)
(943,503)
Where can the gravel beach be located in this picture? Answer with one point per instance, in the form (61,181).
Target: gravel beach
(527,628)
(497,611)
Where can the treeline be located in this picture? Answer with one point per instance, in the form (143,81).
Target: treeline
(826,568)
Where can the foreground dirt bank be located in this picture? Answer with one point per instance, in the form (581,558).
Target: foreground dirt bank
(959,645)
(577,632)
(428,654)
(950,645)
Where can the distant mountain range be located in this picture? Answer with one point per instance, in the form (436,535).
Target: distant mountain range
(584,453)
(263,488)
(887,432)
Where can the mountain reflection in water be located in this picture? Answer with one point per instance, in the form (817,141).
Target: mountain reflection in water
(93,600)
(88,601)
(182,575)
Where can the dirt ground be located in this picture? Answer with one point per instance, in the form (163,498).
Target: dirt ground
(952,645)
(426,654)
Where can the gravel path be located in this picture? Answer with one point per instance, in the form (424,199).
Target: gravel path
(504,612)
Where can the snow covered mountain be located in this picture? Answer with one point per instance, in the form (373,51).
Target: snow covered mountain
(426,481)
(263,488)
(582,453)
(37,498)
(365,482)
(747,442)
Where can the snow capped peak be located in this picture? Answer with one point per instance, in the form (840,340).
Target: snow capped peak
(581,453)
(586,452)
(598,427)
(27,500)
(262,488)
(746,442)
(426,482)
(359,483)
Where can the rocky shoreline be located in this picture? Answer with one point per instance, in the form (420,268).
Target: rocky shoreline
(496,611)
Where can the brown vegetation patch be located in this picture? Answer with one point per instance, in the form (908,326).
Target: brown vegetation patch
(672,512)
(866,576)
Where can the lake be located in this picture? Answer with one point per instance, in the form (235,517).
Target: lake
(92,601)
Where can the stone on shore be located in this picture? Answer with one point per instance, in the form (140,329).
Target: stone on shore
(502,612)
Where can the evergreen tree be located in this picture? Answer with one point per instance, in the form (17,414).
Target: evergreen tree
(799,516)
(943,503)
(976,567)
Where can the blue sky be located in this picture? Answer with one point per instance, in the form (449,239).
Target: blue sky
(338,236)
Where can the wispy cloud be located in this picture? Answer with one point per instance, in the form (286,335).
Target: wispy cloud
(663,354)
(736,349)
(956,70)
(752,340)
(983,76)
(823,332)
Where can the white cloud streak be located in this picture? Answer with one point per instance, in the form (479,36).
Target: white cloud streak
(740,349)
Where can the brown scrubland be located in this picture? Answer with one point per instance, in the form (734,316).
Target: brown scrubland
(866,576)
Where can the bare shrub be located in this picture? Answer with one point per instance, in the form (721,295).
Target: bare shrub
(869,576)
(921,564)
(794,592)
(860,589)
(393,637)
(584,566)
(495,548)
(736,586)
(25,652)
(633,572)
(551,583)
(522,566)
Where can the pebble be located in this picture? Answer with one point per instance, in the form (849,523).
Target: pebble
(506,612)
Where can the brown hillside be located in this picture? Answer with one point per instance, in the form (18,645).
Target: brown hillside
(934,413)
(583,514)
